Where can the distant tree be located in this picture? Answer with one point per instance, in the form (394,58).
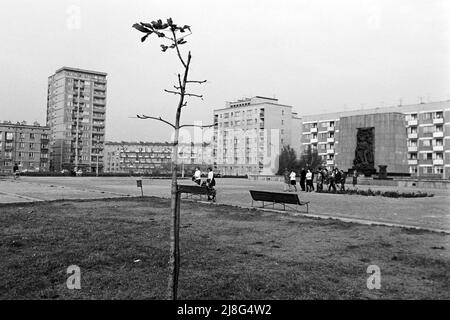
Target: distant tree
(311,159)
(173,36)
(287,160)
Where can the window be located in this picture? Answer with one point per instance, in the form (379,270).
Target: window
(412,130)
(438,142)
(439,128)
(439,115)
(438,170)
(427,156)
(413,169)
(282,122)
(427,170)
(331,124)
(412,143)
(426,143)
(32,136)
(412,156)
(439,156)
(31,155)
(427,116)
(428,129)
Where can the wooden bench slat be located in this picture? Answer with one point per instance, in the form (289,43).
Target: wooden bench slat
(192,189)
(277,197)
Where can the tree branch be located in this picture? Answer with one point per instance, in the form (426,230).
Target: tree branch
(170,91)
(194,95)
(155,118)
(176,47)
(196,125)
(195,81)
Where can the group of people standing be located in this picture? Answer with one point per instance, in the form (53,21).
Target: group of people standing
(334,179)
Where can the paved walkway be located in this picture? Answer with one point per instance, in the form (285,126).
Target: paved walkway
(432,212)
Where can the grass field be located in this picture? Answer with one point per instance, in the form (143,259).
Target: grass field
(121,246)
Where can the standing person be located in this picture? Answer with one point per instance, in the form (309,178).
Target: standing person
(293,179)
(338,176)
(210,183)
(325,176)
(343,178)
(197,178)
(355,178)
(319,181)
(309,181)
(332,181)
(287,182)
(303,179)
(16,171)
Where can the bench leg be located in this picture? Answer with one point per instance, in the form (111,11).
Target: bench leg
(307,208)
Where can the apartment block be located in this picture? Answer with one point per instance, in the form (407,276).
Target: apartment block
(152,157)
(250,133)
(418,132)
(24,145)
(76,108)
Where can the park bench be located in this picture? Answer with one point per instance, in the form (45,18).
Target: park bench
(278,198)
(190,190)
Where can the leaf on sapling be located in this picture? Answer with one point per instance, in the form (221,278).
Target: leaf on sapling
(170,21)
(140,28)
(145,37)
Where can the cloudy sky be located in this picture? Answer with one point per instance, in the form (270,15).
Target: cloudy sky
(317,56)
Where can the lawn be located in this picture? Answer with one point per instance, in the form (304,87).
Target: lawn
(121,246)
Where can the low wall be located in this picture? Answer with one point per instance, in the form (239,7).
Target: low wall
(395,182)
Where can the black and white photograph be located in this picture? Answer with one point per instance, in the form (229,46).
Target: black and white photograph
(225,155)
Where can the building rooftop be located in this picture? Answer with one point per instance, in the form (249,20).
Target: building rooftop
(418,107)
(81,70)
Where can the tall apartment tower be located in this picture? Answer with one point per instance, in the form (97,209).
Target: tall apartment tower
(250,133)
(76,104)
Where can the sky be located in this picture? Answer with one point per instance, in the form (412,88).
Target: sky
(317,56)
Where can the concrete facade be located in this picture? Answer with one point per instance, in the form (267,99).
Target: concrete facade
(76,106)
(26,145)
(390,136)
(154,157)
(427,136)
(250,133)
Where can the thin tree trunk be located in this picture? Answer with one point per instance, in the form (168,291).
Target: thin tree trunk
(174,259)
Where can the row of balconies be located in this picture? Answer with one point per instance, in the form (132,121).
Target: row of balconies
(437,162)
(437,134)
(315,129)
(434,148)
(415,122)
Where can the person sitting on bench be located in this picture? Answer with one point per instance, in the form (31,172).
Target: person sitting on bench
(197,177)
